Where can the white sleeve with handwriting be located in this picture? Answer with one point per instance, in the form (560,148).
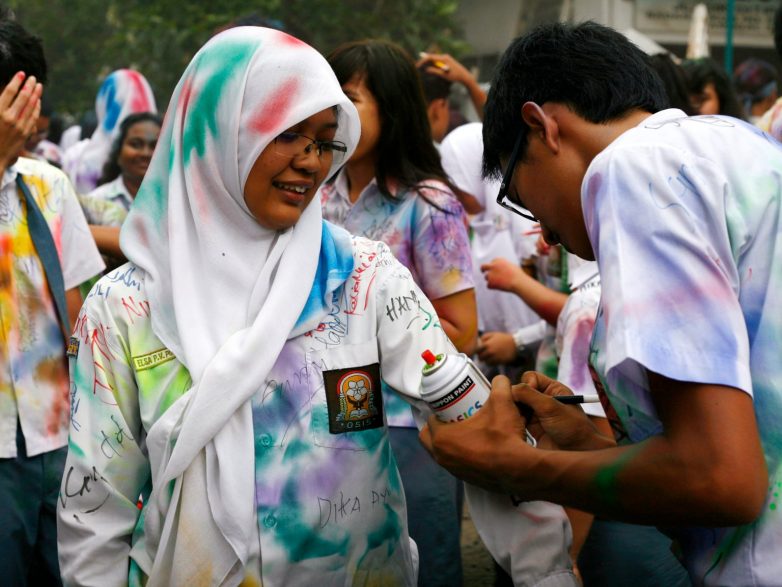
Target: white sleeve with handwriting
(106,468)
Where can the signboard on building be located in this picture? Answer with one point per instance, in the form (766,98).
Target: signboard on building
(753,19)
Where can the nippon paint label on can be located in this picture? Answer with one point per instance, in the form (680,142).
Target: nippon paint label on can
(453,386)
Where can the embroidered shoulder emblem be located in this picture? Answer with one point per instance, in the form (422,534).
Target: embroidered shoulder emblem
(354,399)
(153,359)
(73,347)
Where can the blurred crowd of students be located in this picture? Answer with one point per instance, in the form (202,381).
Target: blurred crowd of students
(413,182)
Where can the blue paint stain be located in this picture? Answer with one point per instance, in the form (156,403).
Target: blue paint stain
(113,108)
(335,265)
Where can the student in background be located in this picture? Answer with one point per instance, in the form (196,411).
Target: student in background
(757,85)
(711,91)
(46,253)
(123,92)
(107,205)
(449,69)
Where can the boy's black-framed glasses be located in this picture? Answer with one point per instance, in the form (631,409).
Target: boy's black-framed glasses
(503,199)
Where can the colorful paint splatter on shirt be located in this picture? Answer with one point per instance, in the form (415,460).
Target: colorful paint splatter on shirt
(427,233)
(34,377)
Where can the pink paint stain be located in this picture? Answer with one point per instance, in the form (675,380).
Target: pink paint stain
(197,188)
(141,233)
(140,100)
(56,229)
(185,96)
(286,39)
(275,110)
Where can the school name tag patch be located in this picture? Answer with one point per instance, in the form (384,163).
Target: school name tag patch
(73,347)
(153,359)
(353,398)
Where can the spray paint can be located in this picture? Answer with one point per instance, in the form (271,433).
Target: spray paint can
(454,387)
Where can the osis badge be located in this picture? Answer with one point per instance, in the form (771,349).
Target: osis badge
(354,399)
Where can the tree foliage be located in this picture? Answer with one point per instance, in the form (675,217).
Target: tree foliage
(87,39)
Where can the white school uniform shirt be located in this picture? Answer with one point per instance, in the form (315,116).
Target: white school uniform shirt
(33,370)
(574,330)
(114,191)
(108,204)
(329,500)
(684,216)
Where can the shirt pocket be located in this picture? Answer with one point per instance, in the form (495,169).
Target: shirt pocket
(347,404)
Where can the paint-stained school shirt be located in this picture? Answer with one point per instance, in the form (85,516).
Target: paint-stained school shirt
(329,500)
(108,204)
(685,218)
(33,370)
(575,324)
(426,231)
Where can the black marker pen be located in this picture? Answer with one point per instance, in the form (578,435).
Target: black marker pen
(577,399)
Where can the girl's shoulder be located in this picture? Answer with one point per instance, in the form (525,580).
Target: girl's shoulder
(118,292)
(438,194)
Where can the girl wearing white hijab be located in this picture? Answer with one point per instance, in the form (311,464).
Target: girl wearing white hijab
(123,92)
(229,374)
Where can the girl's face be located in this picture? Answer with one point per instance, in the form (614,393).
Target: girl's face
(288,172)
(707,102)
(369,114)
(137,149)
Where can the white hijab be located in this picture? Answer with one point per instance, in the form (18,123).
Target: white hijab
(123,92)
(225,293)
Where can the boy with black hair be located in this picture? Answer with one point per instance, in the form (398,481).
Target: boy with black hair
(46,251)
(684,217)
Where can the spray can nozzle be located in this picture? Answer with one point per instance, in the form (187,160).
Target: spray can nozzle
(429,357)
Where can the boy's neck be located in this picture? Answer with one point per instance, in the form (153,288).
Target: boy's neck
(594,138)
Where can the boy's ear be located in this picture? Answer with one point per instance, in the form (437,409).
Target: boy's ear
(541,125)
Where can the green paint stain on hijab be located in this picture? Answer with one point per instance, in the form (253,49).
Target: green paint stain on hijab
(224,62)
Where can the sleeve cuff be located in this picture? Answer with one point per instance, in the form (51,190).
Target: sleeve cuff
(529,335)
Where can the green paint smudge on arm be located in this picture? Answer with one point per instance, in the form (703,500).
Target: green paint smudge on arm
(606,480)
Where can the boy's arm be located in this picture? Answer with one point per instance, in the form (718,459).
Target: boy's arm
(706,468)
(505,275)
(107,240)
